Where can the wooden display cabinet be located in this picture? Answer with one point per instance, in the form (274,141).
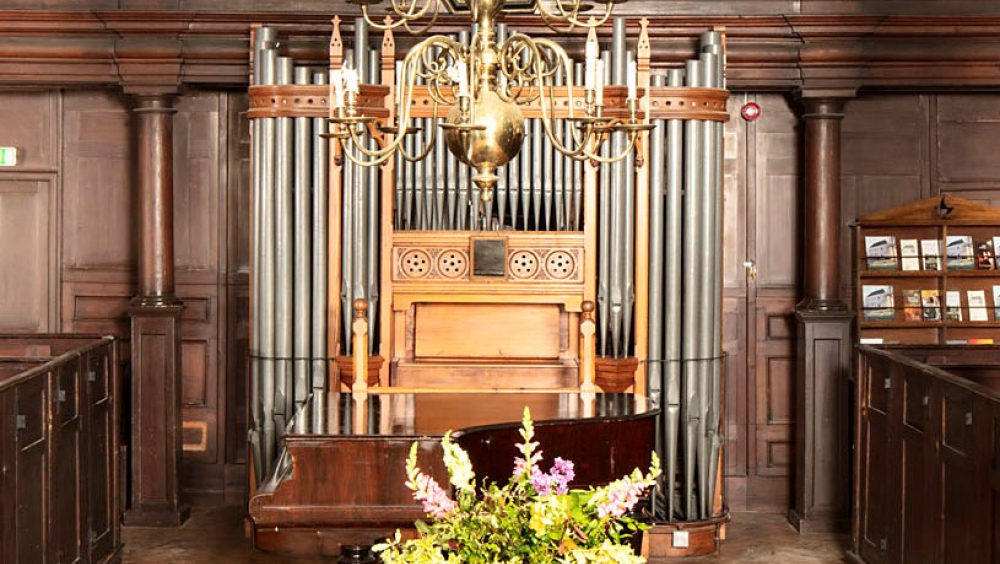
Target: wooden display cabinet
(904,320)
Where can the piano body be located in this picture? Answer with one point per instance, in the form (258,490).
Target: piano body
(340,478)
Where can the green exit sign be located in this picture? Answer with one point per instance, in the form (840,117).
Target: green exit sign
(8,156)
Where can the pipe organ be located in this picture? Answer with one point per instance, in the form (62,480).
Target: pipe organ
(467,292)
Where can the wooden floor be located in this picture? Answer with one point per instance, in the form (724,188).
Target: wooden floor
(215,536)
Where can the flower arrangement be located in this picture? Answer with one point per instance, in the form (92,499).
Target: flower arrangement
(534,519)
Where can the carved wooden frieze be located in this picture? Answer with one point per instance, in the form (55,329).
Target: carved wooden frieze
(688,103)
(524,262)
(310,100)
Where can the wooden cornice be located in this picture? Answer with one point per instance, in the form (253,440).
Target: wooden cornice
(147,51)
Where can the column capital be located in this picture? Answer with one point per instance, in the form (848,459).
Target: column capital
(153,103)
(149,65)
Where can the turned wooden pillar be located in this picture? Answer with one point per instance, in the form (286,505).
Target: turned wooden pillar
(156,327)
(824,345)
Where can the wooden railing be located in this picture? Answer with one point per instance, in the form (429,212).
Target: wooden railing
(59,441)
(927,463)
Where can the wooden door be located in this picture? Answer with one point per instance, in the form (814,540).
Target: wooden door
(772,146)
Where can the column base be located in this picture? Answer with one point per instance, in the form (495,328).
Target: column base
(156,499)
(157,517)
(823,413)
(818,523)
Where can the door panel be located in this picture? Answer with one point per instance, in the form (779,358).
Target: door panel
(772,242)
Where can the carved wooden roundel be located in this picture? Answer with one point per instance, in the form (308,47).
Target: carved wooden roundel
(452,263)
(560,264)
(523,264)
(416,264)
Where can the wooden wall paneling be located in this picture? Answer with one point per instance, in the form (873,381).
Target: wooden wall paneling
(28,267)
(778,147)
(963,136)
(237,344)
(886,154)
(98,273)
(99,230)
(202,204)
(96,302)
(894,7)
(31,124)
(197,187)
(737,7)
(29,212)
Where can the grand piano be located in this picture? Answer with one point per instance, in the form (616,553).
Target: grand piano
(339,479)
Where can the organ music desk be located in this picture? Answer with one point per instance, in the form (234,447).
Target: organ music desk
(340,477)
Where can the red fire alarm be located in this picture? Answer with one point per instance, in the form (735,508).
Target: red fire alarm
(750,111)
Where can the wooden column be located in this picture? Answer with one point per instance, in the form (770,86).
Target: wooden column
(156,327)
(823,360)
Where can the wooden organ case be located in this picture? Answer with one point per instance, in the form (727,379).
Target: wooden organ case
(455,294)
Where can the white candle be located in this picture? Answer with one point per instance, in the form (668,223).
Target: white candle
(599,83)
(332,97)
(337,83)
(462,78)
(631,78)
(350,79)
(590,70)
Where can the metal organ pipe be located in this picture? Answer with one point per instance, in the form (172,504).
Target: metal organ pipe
(283,400)
(302,252)
(672,323)
(712,46)
(578,70)
(320,238)
(347,261)
(604,247)
(372,227)
(656,260)
(628,220)
(262,340)
(359,203)
(691,401)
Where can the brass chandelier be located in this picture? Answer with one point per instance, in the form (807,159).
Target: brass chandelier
(484,83)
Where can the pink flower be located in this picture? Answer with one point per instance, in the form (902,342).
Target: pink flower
(622,495)
(556,481)
(436,502)
(521,466)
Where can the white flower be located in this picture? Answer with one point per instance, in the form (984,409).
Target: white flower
(458,464)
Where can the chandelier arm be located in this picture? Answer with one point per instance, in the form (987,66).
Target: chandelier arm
(411,12)
(552,19)
(578,143)
(523,75)
(374,161)
(430,142)
(430,69)
(614,158)
(571,20)
(430,24)
(380,155)
(379,26)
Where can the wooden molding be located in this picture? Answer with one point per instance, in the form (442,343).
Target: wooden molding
(163,51)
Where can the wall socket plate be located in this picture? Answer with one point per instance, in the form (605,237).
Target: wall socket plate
(679,539)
